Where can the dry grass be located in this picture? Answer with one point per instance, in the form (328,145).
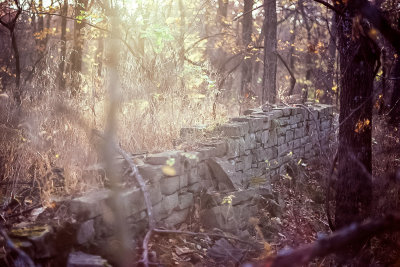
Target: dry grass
(51,131)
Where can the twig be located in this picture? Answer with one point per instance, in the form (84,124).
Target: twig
(241,15)
(24,211)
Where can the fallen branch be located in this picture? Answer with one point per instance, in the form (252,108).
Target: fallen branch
(356,232)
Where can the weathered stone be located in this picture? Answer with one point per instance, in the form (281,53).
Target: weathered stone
(283,121)
(264,136)
(195,188)
(253,173)
(190,159)
(296,143)
(190,133)
(133,199)
(185,201)
(219,148)
(194,176)
(239,166)
(250,141)
(85,232)
(325,125)
(90,205)
(170,185)
(298,133)
(233,147)
(283,149)
(80,259)
(151,172)
(161,158)
(275,114)
(227,218)
(258,136)
(235,129)
(206,152)
(247,162)
(176,217)
(183,180)
(289,135)
(240,119)
(273,138)
(242,146)
(281,131)
(256,123)
(224,172)
(251,111)
(281,140)
(169,203)
(287,111)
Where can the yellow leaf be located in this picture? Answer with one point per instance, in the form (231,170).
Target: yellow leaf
(168,170)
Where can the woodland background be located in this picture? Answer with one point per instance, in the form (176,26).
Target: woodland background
(179,63)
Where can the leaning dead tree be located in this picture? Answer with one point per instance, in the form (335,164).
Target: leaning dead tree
(338,241)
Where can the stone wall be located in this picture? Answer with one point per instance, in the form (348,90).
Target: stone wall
(244,153)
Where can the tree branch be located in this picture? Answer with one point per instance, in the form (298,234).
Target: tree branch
(356,232)
(293,79)
(331,7)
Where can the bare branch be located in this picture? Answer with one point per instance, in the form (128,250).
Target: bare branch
(356,232)
(293,79)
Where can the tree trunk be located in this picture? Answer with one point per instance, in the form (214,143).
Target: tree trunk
(11,28)
(394,114)
(308,59)
(291,50)
(76,54)
(270,58)
(63,39)
(17,92)
(357,62)
(327,96)
(247,29)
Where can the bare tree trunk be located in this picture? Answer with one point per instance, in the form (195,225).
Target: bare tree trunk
(63,39)
(291,50)
(327,97)
(77,50)
(308,54)
(11,28)
(181,57)
(17,93)
(182,34)
(270,58)
(247,29)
